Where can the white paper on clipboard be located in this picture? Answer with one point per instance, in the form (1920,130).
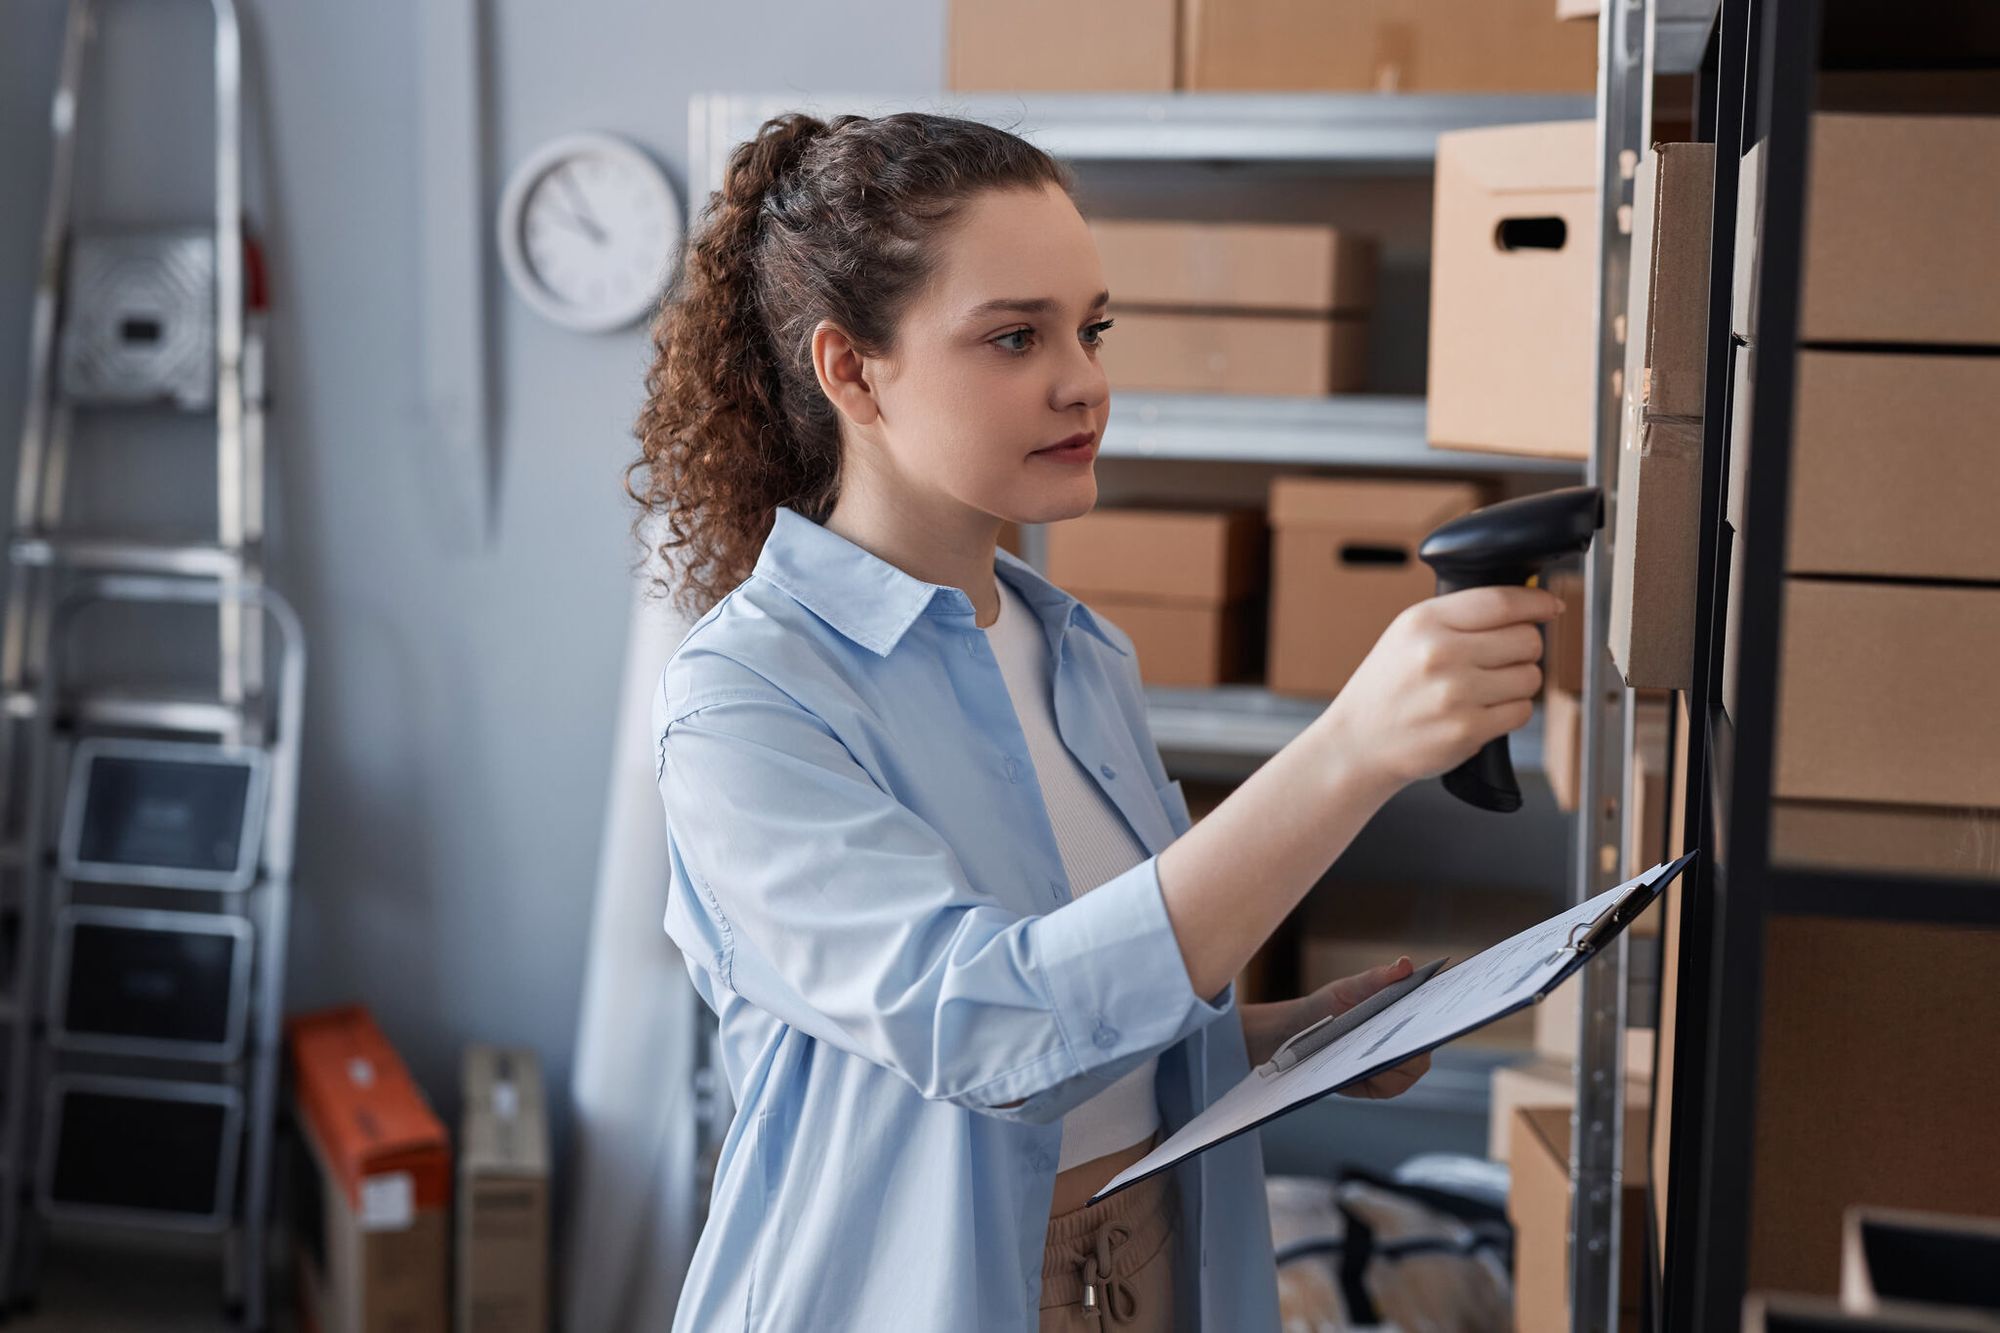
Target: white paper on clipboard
(1488,986)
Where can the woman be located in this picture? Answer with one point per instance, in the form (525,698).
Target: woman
(968,958)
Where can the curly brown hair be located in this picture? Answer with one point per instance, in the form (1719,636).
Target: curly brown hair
(815,221)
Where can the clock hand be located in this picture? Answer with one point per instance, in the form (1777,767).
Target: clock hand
(590,225)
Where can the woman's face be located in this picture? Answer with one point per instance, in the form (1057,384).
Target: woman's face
(998,358)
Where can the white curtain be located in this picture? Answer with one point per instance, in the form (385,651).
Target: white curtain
(631,1224)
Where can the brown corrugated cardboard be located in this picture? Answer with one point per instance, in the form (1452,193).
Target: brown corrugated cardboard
(1210,353)
(1343,566)
(1658,511)
(1184,584)
(503,1194)
(1900,217)
(1873,1084)
(1105,46)
(1562,663)
(1158,552)
(1538,1205)
(1895,472)
(1562,744)
(374,1197)
(1925,840)
(1888,693)
(1296,267)
(1558,1017)
(1666,351)
(1185,643)
(1653,558)
(1513,289)
(1542,1082)
(1562,741)
(1385,46)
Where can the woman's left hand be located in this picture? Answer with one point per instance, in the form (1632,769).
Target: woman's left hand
(1266,1026)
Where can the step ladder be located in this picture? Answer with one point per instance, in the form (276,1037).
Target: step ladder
(129,324)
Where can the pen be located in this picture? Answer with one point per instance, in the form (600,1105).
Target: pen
(1331,1029)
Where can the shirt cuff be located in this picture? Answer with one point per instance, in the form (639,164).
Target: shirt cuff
(1115,973)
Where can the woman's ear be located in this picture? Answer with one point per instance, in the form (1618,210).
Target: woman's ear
(844,375)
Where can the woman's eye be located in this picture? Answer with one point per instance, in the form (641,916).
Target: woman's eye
(1095,330)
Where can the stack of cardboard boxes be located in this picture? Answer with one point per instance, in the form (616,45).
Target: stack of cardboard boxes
(1887,703)
(1190,586)
(1270,45)
(1888,708)
(373,1208)
(1236,307)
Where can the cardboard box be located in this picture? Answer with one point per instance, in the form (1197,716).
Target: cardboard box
(1541,1082)
(1873,1084)
(1658,514)
(1910,839)
(1888,693)
(1538,1204)
(374,1253)
(1514,289)
(1562,663)
(1105,46)
(1666,367)
(503,1194)
(1209,353)
(1562,747)
(1289,267)
(1904,1261)
(1558,1020)
(1186,645)
(1900,215)
(1384,46)
(1184,584)
(1894,472)
(1344,564)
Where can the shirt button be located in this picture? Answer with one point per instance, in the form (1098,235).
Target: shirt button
(1013,769)
(973,643)
(1058,890)
(1108,771)
(1106,1036)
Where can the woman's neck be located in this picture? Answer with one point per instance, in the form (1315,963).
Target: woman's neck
(936,539)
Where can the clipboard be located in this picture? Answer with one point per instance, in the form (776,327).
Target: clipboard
(1451,1002)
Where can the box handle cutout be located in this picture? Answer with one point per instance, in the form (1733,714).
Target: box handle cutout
(1357,554)
(1543,233)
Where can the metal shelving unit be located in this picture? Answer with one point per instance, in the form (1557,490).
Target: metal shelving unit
(1758,83)
(1356,431)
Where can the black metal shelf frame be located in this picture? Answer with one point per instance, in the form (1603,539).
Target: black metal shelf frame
(1758,83)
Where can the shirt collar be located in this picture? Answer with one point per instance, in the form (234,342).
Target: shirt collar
(874,602)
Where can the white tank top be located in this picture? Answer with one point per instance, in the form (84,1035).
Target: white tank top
(1096,845)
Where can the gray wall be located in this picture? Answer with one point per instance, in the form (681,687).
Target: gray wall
(459,705)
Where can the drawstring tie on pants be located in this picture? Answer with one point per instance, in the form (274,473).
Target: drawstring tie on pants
(1118,1300)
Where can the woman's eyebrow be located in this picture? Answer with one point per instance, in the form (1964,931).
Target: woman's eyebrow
(1036,305)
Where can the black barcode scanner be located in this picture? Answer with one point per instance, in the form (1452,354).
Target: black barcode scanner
(1507,543)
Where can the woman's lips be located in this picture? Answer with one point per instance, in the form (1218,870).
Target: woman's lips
(1076,447)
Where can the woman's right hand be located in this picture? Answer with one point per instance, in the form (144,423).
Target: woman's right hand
(1449,674)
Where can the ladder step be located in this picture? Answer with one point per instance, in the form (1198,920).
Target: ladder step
(193,559)
(146,712)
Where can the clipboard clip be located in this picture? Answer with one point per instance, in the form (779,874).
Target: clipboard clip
(1613,919)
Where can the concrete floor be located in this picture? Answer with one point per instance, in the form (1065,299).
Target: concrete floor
(93,1287)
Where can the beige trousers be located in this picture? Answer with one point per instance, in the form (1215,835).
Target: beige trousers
(1108,1267)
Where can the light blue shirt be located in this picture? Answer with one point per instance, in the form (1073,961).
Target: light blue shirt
(869,895)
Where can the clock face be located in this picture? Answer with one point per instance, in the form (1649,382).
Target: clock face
(589,229)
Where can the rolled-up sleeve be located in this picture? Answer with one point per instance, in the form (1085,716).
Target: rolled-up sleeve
(837,909)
